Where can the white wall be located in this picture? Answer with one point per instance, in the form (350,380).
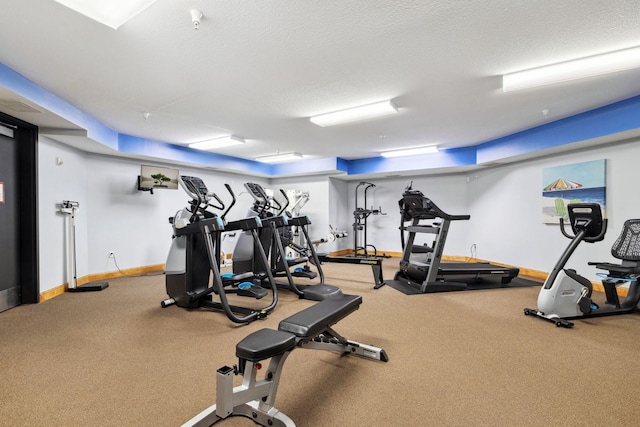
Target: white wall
(317,208)
(114,215)
(505,207)
(448,192)
(56,183)
(339,215)
(131,223)
(504,204)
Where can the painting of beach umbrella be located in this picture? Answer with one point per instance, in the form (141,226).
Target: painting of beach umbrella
(562,184)
(575,183)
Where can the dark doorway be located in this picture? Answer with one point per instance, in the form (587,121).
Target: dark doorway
(18,213)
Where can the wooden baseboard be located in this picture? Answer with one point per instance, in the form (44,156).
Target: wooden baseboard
(59,290)
(135,271)
(52,293)
(622,292)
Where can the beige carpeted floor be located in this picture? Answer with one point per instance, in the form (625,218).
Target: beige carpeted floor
(115,358)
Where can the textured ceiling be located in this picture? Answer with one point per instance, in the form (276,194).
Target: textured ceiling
(259,69)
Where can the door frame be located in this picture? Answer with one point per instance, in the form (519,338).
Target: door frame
(26,136)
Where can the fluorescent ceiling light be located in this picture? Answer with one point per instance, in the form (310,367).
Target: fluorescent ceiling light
(377,109)
(112,13)
(280,158)
(572,70)
(431,149)
(225,141)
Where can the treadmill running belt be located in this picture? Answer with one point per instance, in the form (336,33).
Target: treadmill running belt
(472,285)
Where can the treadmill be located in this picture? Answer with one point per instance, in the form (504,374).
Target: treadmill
(434,275)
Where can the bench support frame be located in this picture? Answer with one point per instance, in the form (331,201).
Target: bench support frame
(255,398)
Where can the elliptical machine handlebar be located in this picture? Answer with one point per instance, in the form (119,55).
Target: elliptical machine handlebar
(215,196)
(282,208)
(233,201)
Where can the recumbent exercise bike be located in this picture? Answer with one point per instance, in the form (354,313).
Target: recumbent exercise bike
(566,295)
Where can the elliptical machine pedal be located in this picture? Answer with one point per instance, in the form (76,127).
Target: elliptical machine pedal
(248,289)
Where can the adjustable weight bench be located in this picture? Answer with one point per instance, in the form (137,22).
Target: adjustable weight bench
(309,328)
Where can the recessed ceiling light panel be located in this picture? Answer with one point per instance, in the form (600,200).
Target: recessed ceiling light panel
(280,158)
(590,66)
(363,112)
(225,141)
(430,149)
(112,13)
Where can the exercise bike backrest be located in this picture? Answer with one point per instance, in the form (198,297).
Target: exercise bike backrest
(586,221)
(627,245)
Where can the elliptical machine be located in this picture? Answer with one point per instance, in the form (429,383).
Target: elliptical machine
(194,256)
(566,295)
(274,234)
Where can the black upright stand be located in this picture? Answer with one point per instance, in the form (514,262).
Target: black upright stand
(360,216)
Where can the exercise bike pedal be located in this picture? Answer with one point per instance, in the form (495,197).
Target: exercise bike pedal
(586,305)
(563,323)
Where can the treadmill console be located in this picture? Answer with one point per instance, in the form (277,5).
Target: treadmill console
(414,205)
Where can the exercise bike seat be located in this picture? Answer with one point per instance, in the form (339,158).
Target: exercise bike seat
(617,268)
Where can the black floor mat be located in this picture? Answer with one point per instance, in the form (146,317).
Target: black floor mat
(474,285)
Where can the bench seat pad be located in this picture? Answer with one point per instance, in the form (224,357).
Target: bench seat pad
(263,344)
(314,320)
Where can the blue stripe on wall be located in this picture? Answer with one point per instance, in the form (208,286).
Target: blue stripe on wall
(611,119)
(163,150)
(34,93)
(327,165)
(614,118)
(447,158)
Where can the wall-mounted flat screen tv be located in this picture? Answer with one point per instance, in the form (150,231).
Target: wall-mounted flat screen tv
(158,177)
